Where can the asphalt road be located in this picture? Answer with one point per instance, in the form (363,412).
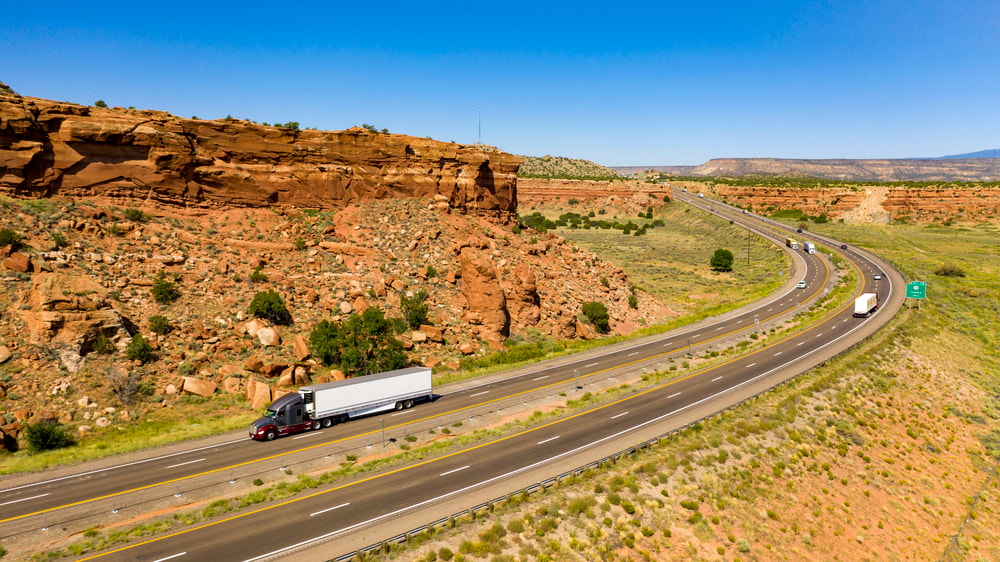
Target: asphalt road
(345,517)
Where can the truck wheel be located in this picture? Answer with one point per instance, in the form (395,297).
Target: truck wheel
(270,435)
(315,425)
(399,406)
(327,422)
(408,404)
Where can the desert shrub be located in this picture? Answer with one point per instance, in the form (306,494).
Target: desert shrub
(363,344)
(597,313)
(124,385)
(269,306)
(59,240)
(101,104)
(159,324)
(135,215)
(414,308)
(47,435)
(633,302)
(257,276)
(722,260)
(9,237)
(947,270)
(164,291)
(103,345)
(139,350)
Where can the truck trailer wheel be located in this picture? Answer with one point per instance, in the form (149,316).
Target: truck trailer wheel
(327,422)
(270,435)
(315,425)
(408,404)
(399,406)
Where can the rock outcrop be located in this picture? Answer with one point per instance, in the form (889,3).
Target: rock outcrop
(486,305)
(70,310)
(147,157)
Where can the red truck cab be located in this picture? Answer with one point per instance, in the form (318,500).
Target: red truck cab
(285,416)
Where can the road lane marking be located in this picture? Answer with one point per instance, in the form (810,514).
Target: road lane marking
(777,354)
(751,365)
(24,499)
(590,365)
(619,415)
(171,557)
(540,378)
(716,379)
(633,353)
(304,435)
(184,463)
(453,471)
(547,440)
(800,343)
(674,395)
(330,509)
(479,393)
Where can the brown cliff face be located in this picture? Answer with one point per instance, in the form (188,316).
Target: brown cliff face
(49,148)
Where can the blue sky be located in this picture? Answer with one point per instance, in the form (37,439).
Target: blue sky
(619,83)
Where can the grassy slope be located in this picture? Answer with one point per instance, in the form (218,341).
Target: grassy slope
(887,453)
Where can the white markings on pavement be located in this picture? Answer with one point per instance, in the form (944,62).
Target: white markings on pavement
(304,435)
(590,365)
(479,393)
(330,509)
(777,354)
(184,463)
(547,440)
(674,395)
(24,499)
(716,379)
(633,353)
(619,415)
(171,557)
(540,378)
(750,365)
(453,471)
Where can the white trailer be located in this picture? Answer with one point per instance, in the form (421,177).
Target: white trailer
(865,305)
(809,247)
(322,405)
(369,394)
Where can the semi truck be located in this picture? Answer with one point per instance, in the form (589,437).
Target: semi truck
(791,243)
(865,305)
(809,247)
(322,405)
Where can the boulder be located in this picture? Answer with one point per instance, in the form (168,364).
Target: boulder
(253,364)
(268,337)
(200,387)
(4,354)
(523,300)
(17,262)
(300,348)
(71,310)
(486,305)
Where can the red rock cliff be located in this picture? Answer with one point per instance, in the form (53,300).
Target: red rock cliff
(49,148)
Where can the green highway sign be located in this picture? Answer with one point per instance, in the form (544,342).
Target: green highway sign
(916,290)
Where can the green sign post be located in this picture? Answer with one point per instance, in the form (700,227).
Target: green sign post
(916,290)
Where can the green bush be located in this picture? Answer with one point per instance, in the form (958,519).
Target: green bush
(947,270)
(103,345)
(139,350)
(101,104)
(269,306)
(46,436)
(722,260)
(164,291)
(363,344)
(597,313)
(135,215)
(633,302)
(257,276)
(414,308)
(9,237)
(158,324)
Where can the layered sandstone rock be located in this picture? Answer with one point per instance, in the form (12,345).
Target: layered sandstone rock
(49,148)
(486,305)
(911,169)
(71,310)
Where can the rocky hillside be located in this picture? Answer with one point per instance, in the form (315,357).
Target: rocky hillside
(104,206)
(565,168)
(151,158)
(973,169)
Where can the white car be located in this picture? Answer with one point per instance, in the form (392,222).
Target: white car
(878,276)
(802,285)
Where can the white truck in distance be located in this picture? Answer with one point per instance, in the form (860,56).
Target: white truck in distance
(322,405)
(809,247)
(865,305)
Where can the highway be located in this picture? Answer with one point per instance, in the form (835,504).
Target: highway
(343,517)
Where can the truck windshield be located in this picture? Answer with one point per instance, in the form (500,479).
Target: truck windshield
(273,414)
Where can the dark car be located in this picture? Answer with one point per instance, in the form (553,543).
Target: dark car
(843,246)
(799,230)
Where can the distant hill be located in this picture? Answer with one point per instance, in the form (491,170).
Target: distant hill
(968,169)
(632,170)
(994,153)
(563,168)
